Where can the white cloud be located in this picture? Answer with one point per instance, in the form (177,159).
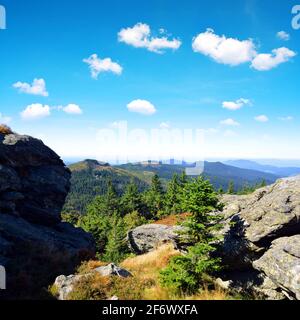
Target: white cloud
(72,109)
(98,66)
(38,87)
(165,125)
(287,118)
(229,122)
(4,119)
(236,105)
(282,35)
(142,106)
(262,118)
(139,36)
(267,61)
(224,50)
(35,111)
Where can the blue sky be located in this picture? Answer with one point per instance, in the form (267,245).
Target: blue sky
(180,74)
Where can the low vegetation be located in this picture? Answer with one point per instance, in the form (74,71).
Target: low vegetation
(4,129)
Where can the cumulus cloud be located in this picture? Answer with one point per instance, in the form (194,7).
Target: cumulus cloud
(141,106)
(236,105)
(268,61)
(229,122)
(139,36)
(72,109)
(224,50)
(38,87)
(35,111)
(98,66)
(282,35)
(262,118)
(4,119)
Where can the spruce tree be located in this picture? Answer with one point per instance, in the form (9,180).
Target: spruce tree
(116,248)
(188,272)
(173,196)
(131,200)
(231,189)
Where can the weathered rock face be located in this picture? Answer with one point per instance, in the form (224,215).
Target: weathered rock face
(281,264)
(262,232)
(33,185)
(65,284)
(148,237)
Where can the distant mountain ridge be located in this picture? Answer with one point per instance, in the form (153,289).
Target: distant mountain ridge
(253,165)
(90,177)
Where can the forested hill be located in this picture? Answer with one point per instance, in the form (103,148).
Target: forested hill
(218,173)
(90,178)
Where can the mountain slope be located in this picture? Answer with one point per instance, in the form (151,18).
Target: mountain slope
(90,178)
(252,165)
(218,173)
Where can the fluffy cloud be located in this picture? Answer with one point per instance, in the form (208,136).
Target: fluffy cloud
(4,119)
(229,122)
(235,105)
(139,36)
(141,106)
(72,109)
(267,61)
(262,118)
(282,35)
(229,134)
(38,87)
(98,66)
(224,50)
(35,111)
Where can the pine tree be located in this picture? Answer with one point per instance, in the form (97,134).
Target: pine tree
(173,196)
(231,189)
(111,199)
(131,200)
(186,273)
(154,198)
(116,248)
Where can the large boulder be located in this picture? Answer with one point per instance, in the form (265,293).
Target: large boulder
(281,264)
(252,222)
(148,237)
(35,246)
(64,285)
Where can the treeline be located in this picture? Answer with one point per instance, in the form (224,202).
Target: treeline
(109,217)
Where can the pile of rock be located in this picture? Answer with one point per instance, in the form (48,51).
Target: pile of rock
(33,185)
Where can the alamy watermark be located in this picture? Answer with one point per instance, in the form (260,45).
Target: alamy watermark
(122,144)
(2,18)
(2,278)
(296,18)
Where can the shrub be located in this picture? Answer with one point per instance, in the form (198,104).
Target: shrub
(4,129)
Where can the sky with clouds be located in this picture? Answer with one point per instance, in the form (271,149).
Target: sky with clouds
(228,68)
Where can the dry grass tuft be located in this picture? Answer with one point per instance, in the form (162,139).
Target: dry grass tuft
(4,129)
(173,219)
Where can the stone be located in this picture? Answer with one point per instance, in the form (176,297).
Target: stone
(35,246)
(148,237)
(113,270)
(281,264)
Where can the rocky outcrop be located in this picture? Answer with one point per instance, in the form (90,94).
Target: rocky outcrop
(281,264)
(35,245)
(64,285)
(262,232)
(148,237)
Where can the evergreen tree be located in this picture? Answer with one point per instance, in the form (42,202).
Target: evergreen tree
(187,272)
(116,248)
(111,199)
(154,198)
(231,189)
(173,196)
(131,200)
